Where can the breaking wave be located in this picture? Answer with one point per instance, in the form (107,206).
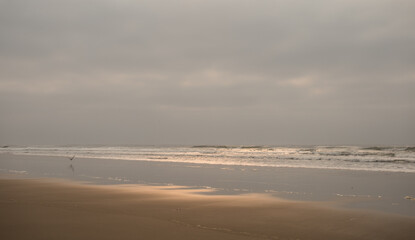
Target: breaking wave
(395,159)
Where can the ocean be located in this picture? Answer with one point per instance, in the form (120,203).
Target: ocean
(377,158)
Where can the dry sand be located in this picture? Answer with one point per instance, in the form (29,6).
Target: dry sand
(45,209)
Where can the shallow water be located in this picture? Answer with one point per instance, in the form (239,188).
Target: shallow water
(386,159)
(377,190)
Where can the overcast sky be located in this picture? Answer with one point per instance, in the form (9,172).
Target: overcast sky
(207,72)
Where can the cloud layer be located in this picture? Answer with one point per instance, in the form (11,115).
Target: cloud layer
(207,72)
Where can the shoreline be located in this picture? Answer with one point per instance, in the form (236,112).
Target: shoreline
(381,191)
(51,209)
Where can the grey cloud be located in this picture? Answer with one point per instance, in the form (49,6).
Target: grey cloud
(209,71)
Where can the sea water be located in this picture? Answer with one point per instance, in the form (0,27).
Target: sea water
(384,158)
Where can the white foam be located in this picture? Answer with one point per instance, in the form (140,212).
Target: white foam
(389,159)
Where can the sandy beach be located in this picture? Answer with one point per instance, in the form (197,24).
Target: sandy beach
(58,209)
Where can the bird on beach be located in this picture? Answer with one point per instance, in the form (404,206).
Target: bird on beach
(71,158)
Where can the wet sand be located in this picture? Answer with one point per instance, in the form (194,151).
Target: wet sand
(379,191)
(57,209)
